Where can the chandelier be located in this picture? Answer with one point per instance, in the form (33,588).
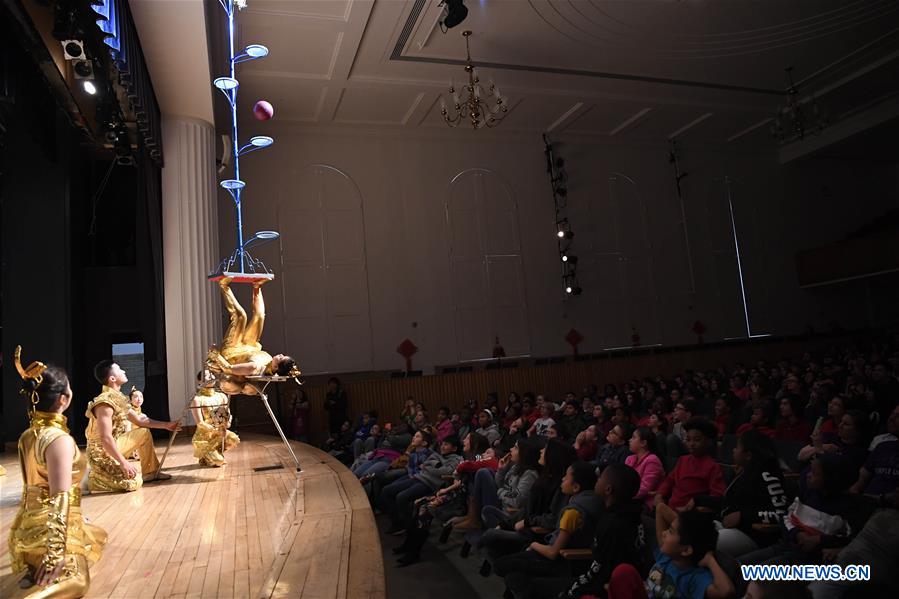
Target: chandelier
(798,117)
(482,107)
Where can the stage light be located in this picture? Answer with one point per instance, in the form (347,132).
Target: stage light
(89,87)
(569,259)
(454,13)
(73,49)
(568,289)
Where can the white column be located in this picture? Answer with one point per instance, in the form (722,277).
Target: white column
(190,251)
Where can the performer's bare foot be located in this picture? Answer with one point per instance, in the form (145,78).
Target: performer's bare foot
(224,282)
(259,283)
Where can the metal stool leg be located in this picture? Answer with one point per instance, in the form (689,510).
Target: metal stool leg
(278,426)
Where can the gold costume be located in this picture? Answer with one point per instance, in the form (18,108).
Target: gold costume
(2,471)
(48,530)
(212,436)
(105,473)
(241,342)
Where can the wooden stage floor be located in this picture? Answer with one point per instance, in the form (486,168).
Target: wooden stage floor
(228,532)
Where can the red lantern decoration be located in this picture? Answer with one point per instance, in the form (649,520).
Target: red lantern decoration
(574,338)
(407,349)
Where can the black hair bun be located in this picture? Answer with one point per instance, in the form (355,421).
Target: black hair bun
(29,385)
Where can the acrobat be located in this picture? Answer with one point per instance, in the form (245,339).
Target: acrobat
(241,355)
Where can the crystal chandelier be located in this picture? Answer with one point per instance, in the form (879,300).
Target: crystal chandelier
(798,117)
(482,107)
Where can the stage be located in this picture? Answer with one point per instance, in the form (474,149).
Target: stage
(228,532)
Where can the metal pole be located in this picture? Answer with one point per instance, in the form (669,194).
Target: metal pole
(733,227)
(277,425)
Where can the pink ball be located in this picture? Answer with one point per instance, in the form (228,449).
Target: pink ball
(263,111)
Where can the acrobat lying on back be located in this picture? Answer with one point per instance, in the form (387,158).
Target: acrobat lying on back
(241,352)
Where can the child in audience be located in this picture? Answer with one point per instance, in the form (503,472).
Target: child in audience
(542,424)
(492,496)
(574,528)
(758,421)
(586,445)
(487,427)
(644,459)
(615,451)
(815,520)
(685,564)
(401,495)
(618,538)
(880,474)
(755,496)
(696,479)
(791,426)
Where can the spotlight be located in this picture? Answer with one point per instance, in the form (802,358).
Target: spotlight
(563,231)
(89,87)
(83,69)
(569,259)
(568,289)
(73,49)
(454,12)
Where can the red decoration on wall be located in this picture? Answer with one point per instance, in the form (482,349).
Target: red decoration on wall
(498,350)
(574,339)
(635,337)
(700,330)
(407,349)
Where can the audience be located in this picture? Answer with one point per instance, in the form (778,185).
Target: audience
(835,429)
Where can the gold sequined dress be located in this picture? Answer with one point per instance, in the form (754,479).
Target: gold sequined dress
(212,430)
(106,474)
(38,527)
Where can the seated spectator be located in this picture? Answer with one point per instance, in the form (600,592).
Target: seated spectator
(758,421)
(835,410)
(571,422)
(555,432)
(675,442)
(443,426)
(487,427)
(528,413)
(542,424)
(791,426)
(541,512)
(420,421)
(494,497)
(877,545)
(685,562)
(755,496)
(815,520)
(586,445)
(618,539)
(379,459)
(644,459)
(888,435)
(397,498)
(850,441)
(403,467)
(603,424)
(616,450)
(407,416)
(696,479)
(723,416)
(879,476)
(574,528)
(464,422)
(339,444)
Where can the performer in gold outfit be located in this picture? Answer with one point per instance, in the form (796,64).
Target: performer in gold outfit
(210,411)
(49,537)
(241,352)
(109,441)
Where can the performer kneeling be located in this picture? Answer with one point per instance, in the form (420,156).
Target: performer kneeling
(49,536)
(109,439)
(210,411)
(241,352)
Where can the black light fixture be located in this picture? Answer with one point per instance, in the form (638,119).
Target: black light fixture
(455,12)
(569,259)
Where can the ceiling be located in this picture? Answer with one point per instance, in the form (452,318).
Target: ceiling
(693,69)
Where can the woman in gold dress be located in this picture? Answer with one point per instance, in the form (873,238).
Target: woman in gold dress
(210,411)
(49,537)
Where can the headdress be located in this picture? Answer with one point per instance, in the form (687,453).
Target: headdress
(34,372)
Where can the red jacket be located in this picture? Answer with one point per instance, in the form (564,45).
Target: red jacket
(765,430)
(472,466)
(692,476)
(787,431)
